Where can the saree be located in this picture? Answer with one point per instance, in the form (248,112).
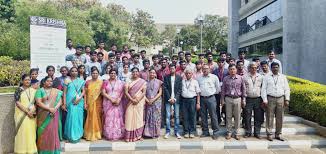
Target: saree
(113,126)
(134,116)
(93,124)
(153,111)
(25,127)
(48,126)
(73,130)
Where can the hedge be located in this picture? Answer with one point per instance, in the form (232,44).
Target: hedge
(308,100)
(11,70)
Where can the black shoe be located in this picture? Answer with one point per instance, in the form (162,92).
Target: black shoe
(204,135)
(279,138)
(257,136)
(247,135)
(214,137)
(269,138)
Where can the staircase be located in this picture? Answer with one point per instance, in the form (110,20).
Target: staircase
(300,138)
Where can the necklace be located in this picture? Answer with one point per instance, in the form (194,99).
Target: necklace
(112,86)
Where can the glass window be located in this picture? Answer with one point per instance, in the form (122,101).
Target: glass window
(262,17)
(262,48)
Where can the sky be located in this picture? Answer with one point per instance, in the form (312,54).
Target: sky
(175,11)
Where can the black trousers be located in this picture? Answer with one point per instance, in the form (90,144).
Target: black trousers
(253,105)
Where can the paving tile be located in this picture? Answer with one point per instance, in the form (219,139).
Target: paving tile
(215,152)
(146,152)
(169,152)
(191,152)
(121,146)
(168,145)
(284,151)
(261,151)
(238,151)
(309,151)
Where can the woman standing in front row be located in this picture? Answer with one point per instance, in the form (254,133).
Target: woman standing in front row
(153,106)
(113,91)
(93,124)
(25,120)
(48,118)
(74,93)
(134,117)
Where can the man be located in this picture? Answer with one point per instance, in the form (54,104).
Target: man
(172,90)
(233,94)
(275,94)
(228,57)
(242,56)
(125,52)
(112,62)
(253,82)
(221,73)
(136,62)
(164,71)
(181,56)
(182,68)
(100,48)
(100,56)
(189,64)
(87,53)
(92,63)
(174,60)
(199,71)
(271,59)
(113,49)
(209,85)
(231,61)
(156,63)
(142,56)
(240,68)
(223,55)
(190,97)
(201,58)
(264,68)
(144,74)
(257,61)
(125,61)
(211,64)
(76,59)
(70,49)
(118,59)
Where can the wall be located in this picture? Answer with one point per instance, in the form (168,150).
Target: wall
(7,123)
(233,45)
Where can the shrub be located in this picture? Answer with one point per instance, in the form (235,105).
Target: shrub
(11,70)
(308,100)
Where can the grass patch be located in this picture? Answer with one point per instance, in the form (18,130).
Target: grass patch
(7,89)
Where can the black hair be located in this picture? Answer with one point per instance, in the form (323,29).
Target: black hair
(111,55)
(24,76)
(180,52)
(222,53)
(69,39)
(50,66)
(209,53)
(198,62)
(182,61)
(100,53)
(44,80)
(270,51)
(239,61)
(220,59)
(79,67)
(274,64)
(87,46)
(152,69)
(113,70)
(113,45)
(154,56)
(101,41)
(33,70)
(263,63)
(173,56)
(231,65)
(93,53)
(79,47)
(124,57)
(94,68)
(125,65)
(135,68)
(143,51)
(187,53)
(172,65)
(232,59)
(241,51)
(146,61)
(64,67)
(255,58)
(135,55)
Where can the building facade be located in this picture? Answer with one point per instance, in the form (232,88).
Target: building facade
(294,29)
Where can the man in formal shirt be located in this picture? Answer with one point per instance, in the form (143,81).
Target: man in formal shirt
(189,64)
(76,59)
(144,74)
(112,62)
(70,49)
(212,65)
(275,94)
(100,48)
(272,58)
(113,49)
(257,61)
(242,56)
(253,82)
(87,53)
(241,70)
(223,55)
(100,57)
(172,86)
(234,95)
(156,62)
(164,70)
(125,52)
(190,98)
(264,68)
(210,86)
(201,58)
(142,56)
(182,68)
(92,63)
(136,62)
(198,73)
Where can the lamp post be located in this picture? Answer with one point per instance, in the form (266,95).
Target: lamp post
(201,21)
(181,42)
(178,33)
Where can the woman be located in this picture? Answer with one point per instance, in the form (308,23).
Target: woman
(24,116)
(93,124)
(125,75)
(153,106)
(106,75)
(34,74)
(48,118)
(74,93)
(113,91)
(82,72)
(64,73)
(134,117)
(50,70)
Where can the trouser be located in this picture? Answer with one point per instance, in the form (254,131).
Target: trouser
(163,112)
(275,108)
(189,115)
(176,106)
(233,109)
(208,106)
(218,108)
(253,104)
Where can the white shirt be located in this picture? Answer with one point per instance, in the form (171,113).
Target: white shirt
(90,65)
(139,66)
(190,88)
(253,85)
(105,77)
(277,61)
(276,86)
(209,85)
(172,86)
(191,66)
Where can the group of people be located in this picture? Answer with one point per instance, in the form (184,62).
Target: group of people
(119,95)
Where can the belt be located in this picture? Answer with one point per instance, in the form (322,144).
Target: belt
(207,96)
(234,97)
(189,98)
(253,97)
(274,96)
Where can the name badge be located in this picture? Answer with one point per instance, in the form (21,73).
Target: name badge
(232,92)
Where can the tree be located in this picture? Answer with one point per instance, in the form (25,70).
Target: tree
(168,37)
(190,37)
(143,30)
(7,11)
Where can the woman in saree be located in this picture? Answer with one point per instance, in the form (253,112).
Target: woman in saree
(49,133)
(113,113)
(74,93)
(134,117)
(93,124)
(25,119)
(153,106)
